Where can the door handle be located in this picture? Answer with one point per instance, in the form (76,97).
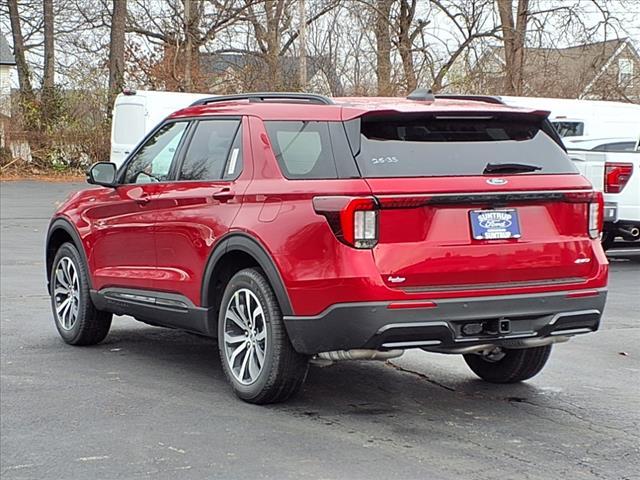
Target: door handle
(223,195)
(143,200)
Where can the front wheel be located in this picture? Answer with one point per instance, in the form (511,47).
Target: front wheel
(77,319)
(503,365)
(257,356)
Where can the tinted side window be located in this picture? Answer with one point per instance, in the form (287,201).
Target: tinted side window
(303,149)
(152,162)
(209,149)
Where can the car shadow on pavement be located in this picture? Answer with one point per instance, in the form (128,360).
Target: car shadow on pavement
(352,387)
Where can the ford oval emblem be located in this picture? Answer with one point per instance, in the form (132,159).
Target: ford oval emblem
(496,181)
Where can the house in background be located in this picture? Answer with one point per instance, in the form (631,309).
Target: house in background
(596,71)
(7,65)
(232,73)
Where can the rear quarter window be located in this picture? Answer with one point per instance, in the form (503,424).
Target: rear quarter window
(418,146)
(303,149)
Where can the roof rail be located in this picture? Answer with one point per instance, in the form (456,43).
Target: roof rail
(479,98)
(292,97)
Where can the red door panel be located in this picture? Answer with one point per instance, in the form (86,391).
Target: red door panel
(122,245)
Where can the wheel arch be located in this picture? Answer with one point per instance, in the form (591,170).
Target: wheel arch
(61,231)
(244,251)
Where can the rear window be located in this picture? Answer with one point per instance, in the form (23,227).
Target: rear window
(302,148)
(616,147)
(418,146)
(569,129)
(128,124)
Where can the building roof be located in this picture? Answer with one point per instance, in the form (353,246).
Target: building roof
(6,56)
(571,69)
(255,65)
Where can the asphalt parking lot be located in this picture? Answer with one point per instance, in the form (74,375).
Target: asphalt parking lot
(153,403)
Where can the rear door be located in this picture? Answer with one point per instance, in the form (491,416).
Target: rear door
(199,206)
(479,201)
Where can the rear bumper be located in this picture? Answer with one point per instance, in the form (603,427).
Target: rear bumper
(610,212)
(440,328)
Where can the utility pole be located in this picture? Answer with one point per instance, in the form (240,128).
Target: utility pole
(303,45)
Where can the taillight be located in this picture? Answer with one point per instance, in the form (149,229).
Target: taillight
(596,208)
(616,176)
(354,220)
(595,203)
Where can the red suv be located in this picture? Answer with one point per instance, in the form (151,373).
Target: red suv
(294,227)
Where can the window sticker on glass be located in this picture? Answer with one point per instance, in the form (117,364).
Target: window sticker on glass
(233,161)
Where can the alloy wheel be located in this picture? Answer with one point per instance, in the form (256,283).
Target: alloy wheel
(66,292)
(245,336)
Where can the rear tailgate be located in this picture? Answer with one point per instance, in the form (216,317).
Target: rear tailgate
(426,240)
(591,165)
(429,178)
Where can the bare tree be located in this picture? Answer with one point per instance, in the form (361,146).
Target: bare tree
(382,14)
(24,73)
(469,23)
(116,48)
(514,32)
(47,96)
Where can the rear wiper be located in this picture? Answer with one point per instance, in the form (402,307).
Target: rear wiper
(510,168)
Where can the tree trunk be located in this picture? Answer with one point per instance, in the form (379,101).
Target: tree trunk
(116,49)
(302,66)
(405,44)
(514,33)
(383,47)
(47,109)
(188,19)
(24,74)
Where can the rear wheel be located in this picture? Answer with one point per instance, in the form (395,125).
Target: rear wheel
(257,356)
(77,319)
(503,365)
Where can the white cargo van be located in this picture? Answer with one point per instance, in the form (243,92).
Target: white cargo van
(136,113)
(586,118)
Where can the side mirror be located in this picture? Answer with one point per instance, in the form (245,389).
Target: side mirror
(102,173)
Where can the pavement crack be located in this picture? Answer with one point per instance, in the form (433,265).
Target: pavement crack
(421,375)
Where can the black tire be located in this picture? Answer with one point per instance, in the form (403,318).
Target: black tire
(283,370)
(91,326)
(607,239)
(515,366)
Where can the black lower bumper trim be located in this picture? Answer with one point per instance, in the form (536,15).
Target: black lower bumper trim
(373,325)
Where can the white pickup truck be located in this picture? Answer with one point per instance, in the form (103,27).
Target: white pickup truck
(617,174)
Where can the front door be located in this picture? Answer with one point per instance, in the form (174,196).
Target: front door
(122,227)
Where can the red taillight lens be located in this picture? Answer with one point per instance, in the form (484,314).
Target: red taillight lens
(354,220)
(595,203)
(616,176)
(596,216)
